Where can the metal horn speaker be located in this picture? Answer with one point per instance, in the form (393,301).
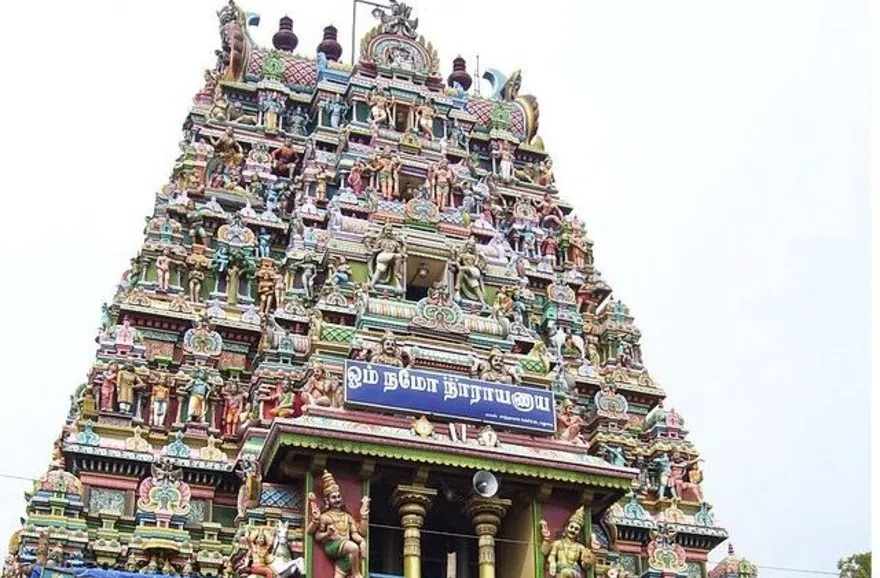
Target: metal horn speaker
(485,484)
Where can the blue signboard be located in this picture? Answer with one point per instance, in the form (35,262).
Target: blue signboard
(448,395)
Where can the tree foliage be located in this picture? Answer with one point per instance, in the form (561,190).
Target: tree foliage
(855,566)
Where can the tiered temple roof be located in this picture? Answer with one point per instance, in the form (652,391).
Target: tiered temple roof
(364,261)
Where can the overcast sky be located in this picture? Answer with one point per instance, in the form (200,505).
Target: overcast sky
(717,150)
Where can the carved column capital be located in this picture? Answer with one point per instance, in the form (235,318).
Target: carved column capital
(412,503)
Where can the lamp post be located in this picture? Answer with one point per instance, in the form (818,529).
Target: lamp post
(377,12)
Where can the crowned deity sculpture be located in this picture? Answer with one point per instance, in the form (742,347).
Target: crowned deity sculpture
(387,256)
(385,167)
(494,369)
(380,105)
(441,179)
(342,538)
(388,352)
(567,556)
(425,118)
(468,266)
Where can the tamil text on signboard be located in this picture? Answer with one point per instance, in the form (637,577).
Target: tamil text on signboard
(448,395)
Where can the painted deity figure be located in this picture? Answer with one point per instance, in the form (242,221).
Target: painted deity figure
(199,388)
(296,121)
(341,537)
(163,270)
(567,556)
(386,167)
(321,389)
(494,369)
(615,454)
(197,263)
(287,402)
(425,118)
(159,399)
(388,352)
(126,383)
(441,180)
(355,178)
(664,476)
(469,265)
(550,214)
(505,162)
(108,387)
(683,477)
(380,105)
(227,151)
(260,551)
(569,423)
(234,400)
(337,109)
(266,278)
(284,160)
(387,254)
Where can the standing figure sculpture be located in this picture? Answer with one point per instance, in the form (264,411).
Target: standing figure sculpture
(379,108)
(341,537)
(337,109)
(468,266)
(386,167)
(425,118)
(387,255)
(567,556)
(440,180)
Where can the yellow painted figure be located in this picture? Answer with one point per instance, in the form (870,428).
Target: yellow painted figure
(567,556)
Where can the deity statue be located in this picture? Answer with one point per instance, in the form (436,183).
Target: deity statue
(355,178)
(337,109)
(550,213)
(197,263)
(163,270)
(686,476)
(297,121)
(126,382)
(441,180)
(545,173)
(284,160)
(664,476)
(386,167)
(227,151)
(458,136)
(199,388)
(248,470)
(321,389)
(339,270)
(234,399)
(504,156)
(272,106)
(380,107)
(494,369)
(159,391)
(388,352)
(468,266)
(387,257)
(615,454)
(567,556)
(337,531)
(310,173)
(108,387)
(219,111)
(425,118)
(266,277)
(569,423)
(260,554)
(287,402)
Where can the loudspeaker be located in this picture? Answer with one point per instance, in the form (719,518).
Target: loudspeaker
(485,484)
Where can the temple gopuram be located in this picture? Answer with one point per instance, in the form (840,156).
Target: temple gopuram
(365,337)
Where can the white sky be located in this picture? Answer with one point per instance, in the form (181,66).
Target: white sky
(718,152)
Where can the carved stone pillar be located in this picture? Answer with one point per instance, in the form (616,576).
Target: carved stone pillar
(412,503)
(486,515)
